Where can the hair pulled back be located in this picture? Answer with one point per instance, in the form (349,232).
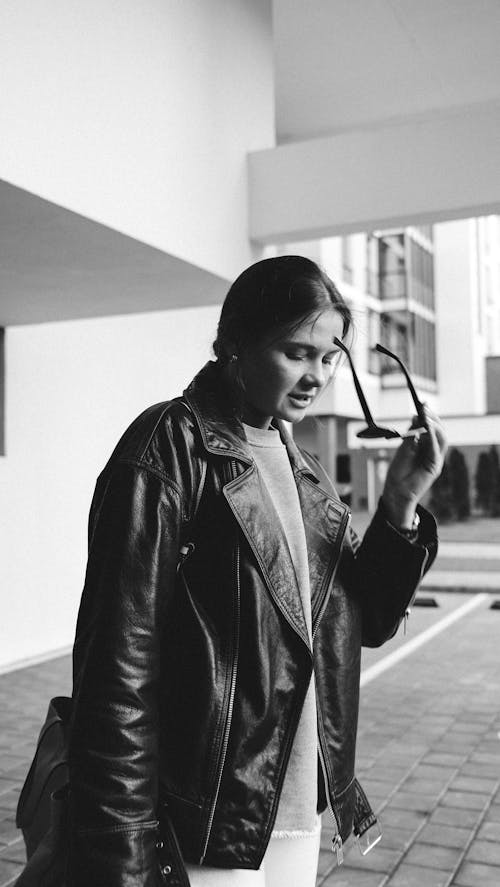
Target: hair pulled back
(273,295)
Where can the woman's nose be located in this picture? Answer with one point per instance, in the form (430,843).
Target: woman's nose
(317,375)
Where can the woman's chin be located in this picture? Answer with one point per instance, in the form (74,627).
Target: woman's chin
(291,414)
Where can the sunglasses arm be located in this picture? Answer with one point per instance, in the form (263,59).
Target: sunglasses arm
(418,403)
(357,384)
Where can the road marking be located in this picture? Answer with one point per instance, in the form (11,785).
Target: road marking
(461,579)
(369,674)
(470,549)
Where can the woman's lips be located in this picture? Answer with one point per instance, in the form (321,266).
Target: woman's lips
(302,400)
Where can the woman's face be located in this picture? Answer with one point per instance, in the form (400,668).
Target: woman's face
(283,376)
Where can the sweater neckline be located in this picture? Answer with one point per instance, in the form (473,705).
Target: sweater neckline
(262,437)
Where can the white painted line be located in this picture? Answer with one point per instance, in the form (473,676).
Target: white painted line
(470,549)
(369,674)
(461,579)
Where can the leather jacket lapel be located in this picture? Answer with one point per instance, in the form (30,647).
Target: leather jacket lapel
(325,523)
(253,508)
(325,518)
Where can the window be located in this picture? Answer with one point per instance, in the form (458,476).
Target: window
(373,338)
(394,334)
(392,266)
(424,360)
(421,273)
(413,339)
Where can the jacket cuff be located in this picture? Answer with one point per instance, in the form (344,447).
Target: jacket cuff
(395,566)
(427,531)
(135,855)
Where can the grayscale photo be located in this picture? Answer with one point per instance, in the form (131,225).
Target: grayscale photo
(250,443)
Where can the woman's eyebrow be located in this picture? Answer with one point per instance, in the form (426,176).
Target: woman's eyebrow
(306,346)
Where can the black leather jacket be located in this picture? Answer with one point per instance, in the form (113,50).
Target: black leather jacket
(191,658)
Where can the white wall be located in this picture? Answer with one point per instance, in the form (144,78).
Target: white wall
(460,334)
(140,115)
(72,388)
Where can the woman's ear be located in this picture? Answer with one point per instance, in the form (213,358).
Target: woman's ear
(231,353)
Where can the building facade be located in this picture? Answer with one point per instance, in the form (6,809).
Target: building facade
(430,294)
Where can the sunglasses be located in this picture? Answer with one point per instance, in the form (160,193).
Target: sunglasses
(373,430)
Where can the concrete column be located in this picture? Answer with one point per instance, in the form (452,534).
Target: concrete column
(328,444)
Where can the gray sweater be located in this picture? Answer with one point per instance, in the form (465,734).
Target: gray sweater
(298,802)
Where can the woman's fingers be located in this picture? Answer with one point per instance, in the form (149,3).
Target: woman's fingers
(433,421)
(432,444)
(435,424)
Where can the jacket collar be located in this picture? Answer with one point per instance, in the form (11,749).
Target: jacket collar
(323,515)
(221,430)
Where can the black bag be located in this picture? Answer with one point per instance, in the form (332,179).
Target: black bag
(42,808)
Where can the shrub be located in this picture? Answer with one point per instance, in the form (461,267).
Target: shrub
(459,483)
(441,499)
(494,508)
(483,480)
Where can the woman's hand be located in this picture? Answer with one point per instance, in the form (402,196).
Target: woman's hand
(415,466)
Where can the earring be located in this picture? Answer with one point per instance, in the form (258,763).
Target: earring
(233,358)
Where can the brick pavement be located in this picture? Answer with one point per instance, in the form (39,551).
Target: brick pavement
(429,759)
(24,696)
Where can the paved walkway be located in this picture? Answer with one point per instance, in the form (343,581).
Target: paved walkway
(465,566)
(429,756)
(429,759)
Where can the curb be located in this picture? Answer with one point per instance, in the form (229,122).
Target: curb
(458,589)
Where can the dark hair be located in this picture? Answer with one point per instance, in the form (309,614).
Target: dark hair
(271,295)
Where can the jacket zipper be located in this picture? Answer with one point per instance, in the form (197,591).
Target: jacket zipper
(337,847)
(227,726)
(184,552)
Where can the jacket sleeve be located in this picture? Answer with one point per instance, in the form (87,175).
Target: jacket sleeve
(113,748)
(384,571)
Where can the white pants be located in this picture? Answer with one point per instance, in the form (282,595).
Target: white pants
(290,861)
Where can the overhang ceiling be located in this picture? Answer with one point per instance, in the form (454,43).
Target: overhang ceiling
(387,114)
(346,64)
(58,265)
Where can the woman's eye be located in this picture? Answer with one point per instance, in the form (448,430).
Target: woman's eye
(331,361)
(292,355)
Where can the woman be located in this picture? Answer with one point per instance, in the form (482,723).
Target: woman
(216,661)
